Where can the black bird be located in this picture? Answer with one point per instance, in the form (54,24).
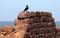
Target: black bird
(26,8)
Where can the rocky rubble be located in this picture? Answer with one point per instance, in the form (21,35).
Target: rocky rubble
(31,25)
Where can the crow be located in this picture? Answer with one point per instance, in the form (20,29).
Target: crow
(26,8)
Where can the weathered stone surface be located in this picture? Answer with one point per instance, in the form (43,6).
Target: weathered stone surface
(0,31)
(22,15)
(20,34)
(47,19)
(39,24)
(33,14)
(31,25)
(26,15)
(6,29)
(43,14)
(58,31)
(25,21)
(1,35)
(21,26)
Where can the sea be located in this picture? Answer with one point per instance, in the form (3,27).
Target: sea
(11,23)
(6,23)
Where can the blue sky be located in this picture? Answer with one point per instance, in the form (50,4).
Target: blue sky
(9,9)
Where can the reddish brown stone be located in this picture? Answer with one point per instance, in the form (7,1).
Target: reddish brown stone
(0,32)
(25,21)
(47,19)
(51,24)
(39,23)
(21,26)
(20,33)
(11,35)
(27,35)
(31,25)
(22,15)
(43,14)
(58,31)
(26,15)
(32,14)
(48,14)
(7,29)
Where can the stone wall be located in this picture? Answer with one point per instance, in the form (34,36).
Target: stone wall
(31,25)
(40,24)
